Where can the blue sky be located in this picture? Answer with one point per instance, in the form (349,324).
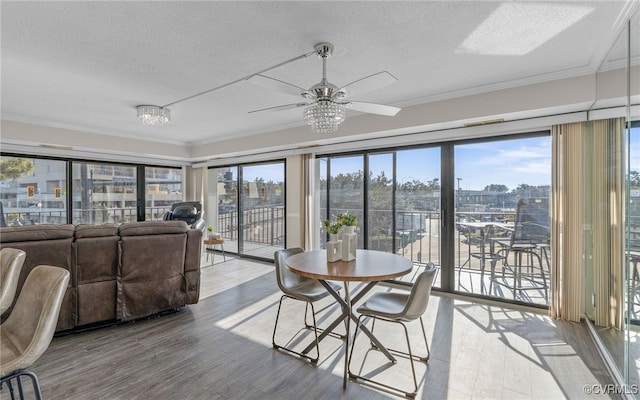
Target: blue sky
(269,172)
(506,162)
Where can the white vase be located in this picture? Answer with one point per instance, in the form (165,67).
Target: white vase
(349,243)
(334,248)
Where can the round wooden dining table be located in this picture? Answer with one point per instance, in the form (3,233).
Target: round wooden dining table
(370,266)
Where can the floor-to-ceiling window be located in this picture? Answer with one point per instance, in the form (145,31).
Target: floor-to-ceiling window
(418,205)
(40,190)
(247,207)
(397,197)
(345,188)
(380,200)
(104,193)
(630,362)
(32,191)
(622,346)
(497,182)
(163,187)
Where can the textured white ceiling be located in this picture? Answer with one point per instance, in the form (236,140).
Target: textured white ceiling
(86,65)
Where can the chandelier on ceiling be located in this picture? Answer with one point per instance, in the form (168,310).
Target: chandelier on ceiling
(324,116)
(154,115)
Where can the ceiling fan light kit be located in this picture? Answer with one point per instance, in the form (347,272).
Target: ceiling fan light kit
(328,105)
(154,115)
(324,103)
(324,116)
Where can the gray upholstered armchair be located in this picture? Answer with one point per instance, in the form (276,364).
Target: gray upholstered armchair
(11,261)
(28,330)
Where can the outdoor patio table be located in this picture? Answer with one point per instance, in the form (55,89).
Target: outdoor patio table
(483,228)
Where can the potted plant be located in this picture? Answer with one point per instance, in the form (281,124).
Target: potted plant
(332,229)
(348,220)
(210,230)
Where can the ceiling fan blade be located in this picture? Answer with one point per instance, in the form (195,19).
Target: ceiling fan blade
(280,108)
(373,108)
(368,83)
(276,84)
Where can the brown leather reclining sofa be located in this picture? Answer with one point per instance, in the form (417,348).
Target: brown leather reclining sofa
(118,273)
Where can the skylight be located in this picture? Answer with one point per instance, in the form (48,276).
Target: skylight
(518,28)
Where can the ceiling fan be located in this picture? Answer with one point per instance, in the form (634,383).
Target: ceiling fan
(325,102)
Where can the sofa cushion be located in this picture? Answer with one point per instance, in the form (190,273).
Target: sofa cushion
(152,228)
(90,231)
(151,274)
(36,232)
(46,245)
(95,255)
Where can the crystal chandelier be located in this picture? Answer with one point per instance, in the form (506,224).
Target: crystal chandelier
(154,115)
(324,116)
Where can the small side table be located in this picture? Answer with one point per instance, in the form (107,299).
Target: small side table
(210,247)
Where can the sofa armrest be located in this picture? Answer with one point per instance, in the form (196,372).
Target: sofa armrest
(192,265)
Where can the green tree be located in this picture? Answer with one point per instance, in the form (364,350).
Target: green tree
(634,179)
(13,168)
(434,184)
(496,188)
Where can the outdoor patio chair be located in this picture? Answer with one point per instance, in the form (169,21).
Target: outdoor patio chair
(527,247)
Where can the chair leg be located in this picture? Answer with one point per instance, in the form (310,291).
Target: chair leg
(10,387)
(409,354)
(20,390)
(17,376)
(424,334)
(314,328)
(35,383)
(309,326)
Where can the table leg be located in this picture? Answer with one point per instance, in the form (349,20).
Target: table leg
(346,305)
(347,299)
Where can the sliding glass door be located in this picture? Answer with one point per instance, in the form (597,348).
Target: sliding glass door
(418,206)
(502,192)
(345,188)
(461,206)
(262,217)
(247,207)
(396,203)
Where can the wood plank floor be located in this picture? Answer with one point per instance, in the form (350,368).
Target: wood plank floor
(221,348)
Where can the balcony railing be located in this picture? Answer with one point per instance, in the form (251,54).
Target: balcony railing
(262,225)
